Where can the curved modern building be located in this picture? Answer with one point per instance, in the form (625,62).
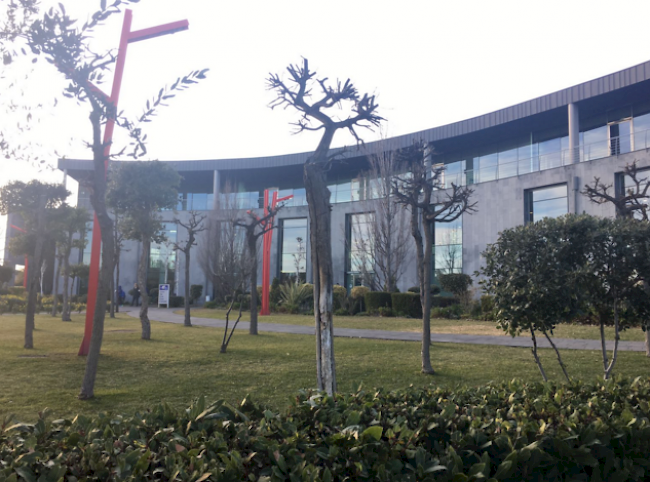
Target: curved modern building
(524,162)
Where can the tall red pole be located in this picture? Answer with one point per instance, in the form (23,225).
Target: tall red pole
(126,37)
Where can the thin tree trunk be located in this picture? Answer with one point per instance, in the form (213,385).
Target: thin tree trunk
(603,345)
(188,321)
(534,352)
(117,276)
(65,309)
(252,253)
(318,197)
(33,275)
(112,304)
(55,297)
(142,284)
(559,358)
(425,298)
(98,201)
(610,368)
(647,338)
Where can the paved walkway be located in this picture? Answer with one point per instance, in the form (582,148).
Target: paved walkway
(168,316)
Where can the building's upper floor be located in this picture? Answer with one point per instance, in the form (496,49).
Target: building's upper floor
(600,118)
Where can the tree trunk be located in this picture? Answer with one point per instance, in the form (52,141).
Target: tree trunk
(65,309)
(425,298)
(112,305)
(33,275)
(188,321)
(318,199)
(252,252)
(647,339)
(142,284)
(117,276)
(55,297)
(98,201)
(559,358)
(617,337)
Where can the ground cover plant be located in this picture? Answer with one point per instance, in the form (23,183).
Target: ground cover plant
(500,432)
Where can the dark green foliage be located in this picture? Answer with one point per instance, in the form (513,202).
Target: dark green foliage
(195,292)
(500,432)
(17,290)
(487,307)
(407,304)
(442,301)
(386,312)
(451,312)
(456,283)
(339,295)
(435,289)
(211,305)
(6,272)
(274,292)
(377,299)
(176,301)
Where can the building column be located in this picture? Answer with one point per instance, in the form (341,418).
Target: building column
(215,189)
(574,133)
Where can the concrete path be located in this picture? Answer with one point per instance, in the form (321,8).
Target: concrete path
(168,316)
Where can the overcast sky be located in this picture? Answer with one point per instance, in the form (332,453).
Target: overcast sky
(428,62)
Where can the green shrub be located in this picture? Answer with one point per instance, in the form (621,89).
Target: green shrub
(274,292)
(17,291)
(176,301)
(195,292)
(339,295)
(293,296)
(452,312)
(435,289)
(407,304)
(487,307)
(377,299)
(456,283)
(211,305)
(386,312)
(442,301)
(357,295)
(503,432)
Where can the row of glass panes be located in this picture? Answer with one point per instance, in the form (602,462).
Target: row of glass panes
(594,144)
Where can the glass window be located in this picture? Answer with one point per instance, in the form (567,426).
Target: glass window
(448,247)
(641,128)
(162,260)
(546,202)
(487,168)
(454,173)
(550,153)
(361,256)
(596,145)
(293,250)
(344,192)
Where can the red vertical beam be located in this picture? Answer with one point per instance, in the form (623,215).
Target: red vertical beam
(95,250)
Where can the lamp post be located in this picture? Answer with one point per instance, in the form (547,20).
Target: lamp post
(126,38)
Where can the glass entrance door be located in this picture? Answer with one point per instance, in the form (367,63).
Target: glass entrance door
(620,137)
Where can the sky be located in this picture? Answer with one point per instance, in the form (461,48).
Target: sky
(429,63)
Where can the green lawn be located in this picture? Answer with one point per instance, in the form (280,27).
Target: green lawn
(438,325)
(182,363)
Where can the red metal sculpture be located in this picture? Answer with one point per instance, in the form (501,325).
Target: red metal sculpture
(126,38)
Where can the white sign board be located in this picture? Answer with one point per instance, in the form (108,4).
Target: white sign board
(163,295)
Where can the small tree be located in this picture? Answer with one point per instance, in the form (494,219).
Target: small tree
(321,108)
(193,226)
(141,190)
(32,201)
(79,273)
(6,273)
(457,284)
(633,202)
(255,227)
(421,191)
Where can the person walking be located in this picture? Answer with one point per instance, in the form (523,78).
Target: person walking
(136,295)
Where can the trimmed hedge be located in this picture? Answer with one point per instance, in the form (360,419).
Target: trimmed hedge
(500,432)
(443,301)
(377,299)
(407,304)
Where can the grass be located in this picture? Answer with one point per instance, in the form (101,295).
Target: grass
(180,363)
(438,325)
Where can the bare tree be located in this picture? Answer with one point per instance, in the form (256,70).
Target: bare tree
(194,225)
(255,227)
(422,192)
(223,252)
(632,203)
(317,107)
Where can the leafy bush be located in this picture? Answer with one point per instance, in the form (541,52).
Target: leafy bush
(456,283)
(452,312)
(376,300)
(274,292)
(195,292)
(176,301)
(357,295)
(339,295)
(17,291)
(487,307)
(211,305)
(435,289)
(407,304)
(386,312)
(502,432)
(443,301)
(293,296)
